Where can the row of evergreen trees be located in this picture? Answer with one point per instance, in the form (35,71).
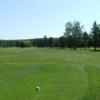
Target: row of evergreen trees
(73,37)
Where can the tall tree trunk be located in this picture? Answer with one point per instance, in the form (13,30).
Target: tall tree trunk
(95,45)
(95,48)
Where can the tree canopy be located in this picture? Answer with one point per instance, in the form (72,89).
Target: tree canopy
(73,37)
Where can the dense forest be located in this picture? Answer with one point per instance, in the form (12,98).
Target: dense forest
(74,37)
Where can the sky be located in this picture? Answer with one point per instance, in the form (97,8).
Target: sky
(22,19)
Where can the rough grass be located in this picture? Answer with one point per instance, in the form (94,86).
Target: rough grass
(61,74)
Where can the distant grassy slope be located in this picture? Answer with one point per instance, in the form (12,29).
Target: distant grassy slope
(61,74)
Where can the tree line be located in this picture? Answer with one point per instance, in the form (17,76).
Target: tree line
(74,37)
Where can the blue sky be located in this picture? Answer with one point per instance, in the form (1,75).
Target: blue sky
(20,19)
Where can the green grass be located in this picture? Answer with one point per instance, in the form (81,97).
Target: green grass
(61,74)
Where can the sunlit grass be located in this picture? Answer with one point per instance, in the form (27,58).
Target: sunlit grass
(62,74)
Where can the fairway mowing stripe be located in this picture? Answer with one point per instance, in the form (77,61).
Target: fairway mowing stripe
(61,75)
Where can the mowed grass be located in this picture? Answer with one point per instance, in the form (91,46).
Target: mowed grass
(61,74)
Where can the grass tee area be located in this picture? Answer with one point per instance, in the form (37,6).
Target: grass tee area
(61,74)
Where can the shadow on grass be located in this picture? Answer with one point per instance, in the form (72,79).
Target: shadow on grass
(95,50)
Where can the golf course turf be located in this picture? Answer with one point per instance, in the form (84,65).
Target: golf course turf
(62,74)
